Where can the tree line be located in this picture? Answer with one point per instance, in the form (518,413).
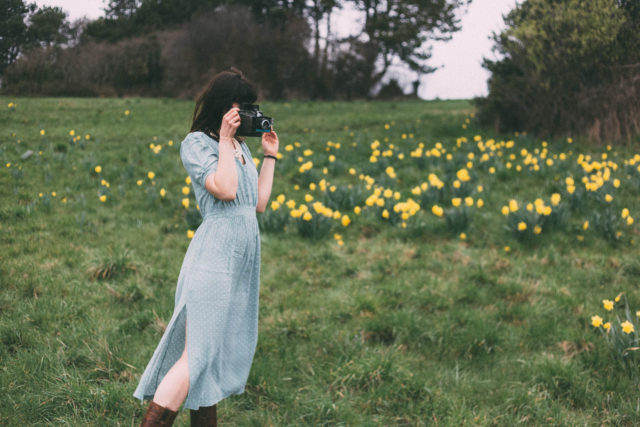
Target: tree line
(172,47)
(566,67)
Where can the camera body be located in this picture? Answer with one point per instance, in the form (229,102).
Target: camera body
(252,121)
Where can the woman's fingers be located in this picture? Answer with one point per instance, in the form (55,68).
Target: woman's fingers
(232,118)
(233,112)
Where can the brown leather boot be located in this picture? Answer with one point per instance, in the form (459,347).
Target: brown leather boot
(204,416)
(158,416)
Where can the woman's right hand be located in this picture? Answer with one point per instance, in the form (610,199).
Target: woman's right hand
(230,123)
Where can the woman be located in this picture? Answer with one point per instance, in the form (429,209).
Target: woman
(206,351)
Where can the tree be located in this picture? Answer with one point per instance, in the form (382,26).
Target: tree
(399,30)
(121,9)
(129,18)
(13,30)
(568,68)
(48,26)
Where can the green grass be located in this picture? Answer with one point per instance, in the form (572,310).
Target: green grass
(398,326)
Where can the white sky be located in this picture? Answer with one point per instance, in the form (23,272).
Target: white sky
(461,75)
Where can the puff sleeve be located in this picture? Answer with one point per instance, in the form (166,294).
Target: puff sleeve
(199,157)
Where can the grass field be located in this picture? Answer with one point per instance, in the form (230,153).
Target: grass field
(442,315)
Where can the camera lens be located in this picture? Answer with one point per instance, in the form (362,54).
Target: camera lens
(265,124)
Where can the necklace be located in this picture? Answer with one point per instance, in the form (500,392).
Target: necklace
(237,152)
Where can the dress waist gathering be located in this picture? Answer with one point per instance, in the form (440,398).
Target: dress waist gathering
(228,211)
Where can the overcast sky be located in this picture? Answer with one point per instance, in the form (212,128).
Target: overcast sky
(461,74)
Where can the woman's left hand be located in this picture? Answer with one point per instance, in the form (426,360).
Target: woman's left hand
(270,142)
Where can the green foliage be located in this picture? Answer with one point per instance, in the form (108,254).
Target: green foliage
(13,30)
(566,70)
(48,26)
(273,221)
(345,197)
(317,227)
(110,265)
(457,218)
(624,346)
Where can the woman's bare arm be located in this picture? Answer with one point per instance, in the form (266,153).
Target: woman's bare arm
(223,184)
(265,183)
(270,144)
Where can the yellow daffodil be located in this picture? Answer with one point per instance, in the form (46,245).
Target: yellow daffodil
(596,321)
(608,304)
(522,226)
(627,327)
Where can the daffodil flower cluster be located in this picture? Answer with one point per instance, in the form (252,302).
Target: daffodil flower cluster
(621,335)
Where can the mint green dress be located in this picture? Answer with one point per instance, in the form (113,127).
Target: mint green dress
(217,288)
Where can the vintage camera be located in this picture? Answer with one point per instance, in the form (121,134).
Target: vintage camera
(252,122)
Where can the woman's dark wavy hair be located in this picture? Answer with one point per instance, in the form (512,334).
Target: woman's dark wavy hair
(218,97)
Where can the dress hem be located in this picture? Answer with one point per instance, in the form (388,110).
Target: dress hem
(184,404)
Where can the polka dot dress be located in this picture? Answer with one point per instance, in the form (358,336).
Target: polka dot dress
(217,289)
